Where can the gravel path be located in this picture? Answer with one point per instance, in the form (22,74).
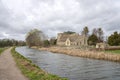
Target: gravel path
(8,68)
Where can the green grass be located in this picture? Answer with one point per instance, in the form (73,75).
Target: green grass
(32,71)
(2,49)
(113,51)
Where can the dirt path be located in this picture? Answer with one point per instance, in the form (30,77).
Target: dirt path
(8,68)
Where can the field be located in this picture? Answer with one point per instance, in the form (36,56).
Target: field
(113,51)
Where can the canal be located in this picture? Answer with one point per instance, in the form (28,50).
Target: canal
(74,68)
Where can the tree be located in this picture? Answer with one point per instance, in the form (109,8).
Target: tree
(114,39)
(53,41)
(46,43)
(100,34)
(35,38)
(85,31)
(94,31)
(92,40)
(69,32)
(11,42)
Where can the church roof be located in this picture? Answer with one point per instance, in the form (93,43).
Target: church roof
(72,37)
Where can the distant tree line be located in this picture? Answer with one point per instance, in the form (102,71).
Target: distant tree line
(97,36)
(11,42)
(36,37)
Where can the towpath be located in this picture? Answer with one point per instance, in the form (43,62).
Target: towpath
(8,68)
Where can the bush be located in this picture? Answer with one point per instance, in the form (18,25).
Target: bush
(46,43)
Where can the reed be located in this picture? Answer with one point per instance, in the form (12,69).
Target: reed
(84,53)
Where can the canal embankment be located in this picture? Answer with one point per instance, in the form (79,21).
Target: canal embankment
(72,67)
(32,71)
(101,55)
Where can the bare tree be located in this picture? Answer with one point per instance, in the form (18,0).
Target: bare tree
(100,34)
(94,31)
(85,31)
(35,38)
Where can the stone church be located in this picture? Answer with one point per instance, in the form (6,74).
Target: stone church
(74,39)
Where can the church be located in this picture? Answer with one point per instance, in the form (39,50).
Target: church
(64,39)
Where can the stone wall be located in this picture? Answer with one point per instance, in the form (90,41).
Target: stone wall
(79,41)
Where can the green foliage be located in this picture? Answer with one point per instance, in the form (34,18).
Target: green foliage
(11,42)
(53,41)
(92,40)
(69,32)
(100,34)
(114,39)
(46,43)
(113,51)
(32,71)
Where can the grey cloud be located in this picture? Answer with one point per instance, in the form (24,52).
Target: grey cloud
(4,16)
(53,16)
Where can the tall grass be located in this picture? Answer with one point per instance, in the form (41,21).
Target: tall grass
(32,71)
(85,53)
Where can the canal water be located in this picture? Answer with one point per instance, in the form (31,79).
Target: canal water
(74,68)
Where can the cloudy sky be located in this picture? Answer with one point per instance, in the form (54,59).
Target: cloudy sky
(17,17)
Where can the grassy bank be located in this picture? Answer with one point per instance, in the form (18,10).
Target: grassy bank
(113,51)
(30,70)
(84,53)
(2,49)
